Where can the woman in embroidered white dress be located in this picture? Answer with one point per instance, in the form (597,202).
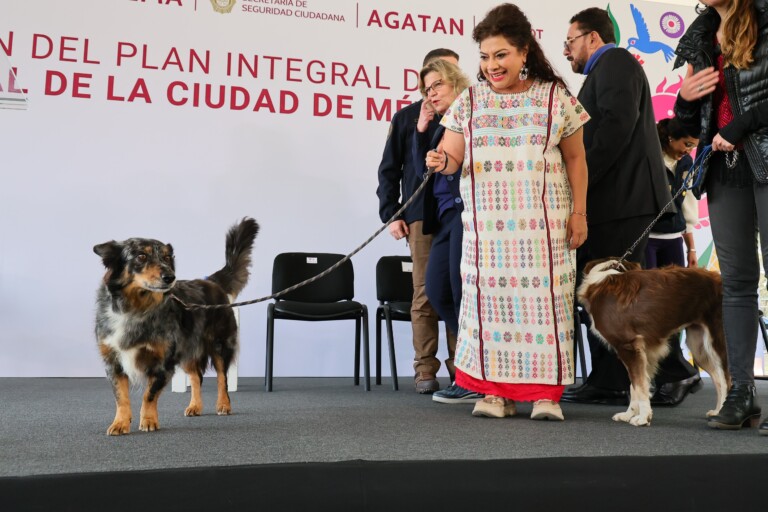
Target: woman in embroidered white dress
(516,137)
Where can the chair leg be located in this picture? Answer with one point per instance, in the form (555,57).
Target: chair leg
(391,343)
(576,342)
(366,357)
(357,351)
(270,346)
(580,342)
(378,348)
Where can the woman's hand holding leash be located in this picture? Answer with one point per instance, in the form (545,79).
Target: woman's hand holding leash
(720,144)
(440,161)
(437,159)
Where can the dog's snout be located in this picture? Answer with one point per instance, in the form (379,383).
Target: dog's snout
(168,277)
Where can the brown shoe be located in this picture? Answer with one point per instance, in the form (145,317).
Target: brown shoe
(426,383)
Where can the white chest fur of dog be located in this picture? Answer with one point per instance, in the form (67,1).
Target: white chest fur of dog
(634,312)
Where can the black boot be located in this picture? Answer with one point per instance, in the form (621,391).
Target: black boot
(738,409)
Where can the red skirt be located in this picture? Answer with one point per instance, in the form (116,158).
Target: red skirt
(516,392)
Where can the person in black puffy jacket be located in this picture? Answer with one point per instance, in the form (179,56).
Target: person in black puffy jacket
(725,95)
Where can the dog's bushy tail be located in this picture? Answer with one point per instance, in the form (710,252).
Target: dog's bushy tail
(234,275)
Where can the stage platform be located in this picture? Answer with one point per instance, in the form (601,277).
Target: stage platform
(322,443)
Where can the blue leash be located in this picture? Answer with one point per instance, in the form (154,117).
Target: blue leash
(697,167)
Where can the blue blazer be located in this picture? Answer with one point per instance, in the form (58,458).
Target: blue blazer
(424,142)
(399,176)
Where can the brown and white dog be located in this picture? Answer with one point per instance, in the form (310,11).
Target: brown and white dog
(143,334)
(635,312)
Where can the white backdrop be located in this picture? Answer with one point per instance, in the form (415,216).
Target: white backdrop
(109,149)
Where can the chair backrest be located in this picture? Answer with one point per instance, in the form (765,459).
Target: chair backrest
(291,268)
(394,279)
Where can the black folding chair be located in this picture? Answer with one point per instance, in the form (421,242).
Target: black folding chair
(580,318)
(328,298)
(394,290)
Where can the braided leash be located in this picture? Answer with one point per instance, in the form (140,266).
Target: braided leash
(694,176)
(321,274)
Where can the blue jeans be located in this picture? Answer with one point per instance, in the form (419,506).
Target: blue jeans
(444,269)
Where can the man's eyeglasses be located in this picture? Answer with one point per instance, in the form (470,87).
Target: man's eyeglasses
(569,40)
(436,85)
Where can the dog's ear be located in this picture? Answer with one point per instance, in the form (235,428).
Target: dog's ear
(109,252)
(172,262)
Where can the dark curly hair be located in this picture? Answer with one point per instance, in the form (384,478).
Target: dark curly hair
(508,21)
(673,129)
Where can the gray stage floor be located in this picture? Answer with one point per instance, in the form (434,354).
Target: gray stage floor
(51,426)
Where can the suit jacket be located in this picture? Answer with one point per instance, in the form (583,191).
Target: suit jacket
(627,176)
(399,175)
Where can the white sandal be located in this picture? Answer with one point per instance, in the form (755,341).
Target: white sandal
(494,407)
(547,410)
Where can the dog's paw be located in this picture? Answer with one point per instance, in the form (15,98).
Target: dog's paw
(713,412)
(640,421)
(622,416)
(223,409)
(193,410)
(118,428)
(149,424)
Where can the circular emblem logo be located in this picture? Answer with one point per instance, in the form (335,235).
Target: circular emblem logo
(223,6)
(672,24)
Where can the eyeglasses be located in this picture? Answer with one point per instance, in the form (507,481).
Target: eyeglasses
(436,85)
(686,143)
(569,40)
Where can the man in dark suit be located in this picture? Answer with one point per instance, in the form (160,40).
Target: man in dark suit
(399,177)
(627,181)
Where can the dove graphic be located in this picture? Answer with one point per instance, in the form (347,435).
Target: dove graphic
(642,42)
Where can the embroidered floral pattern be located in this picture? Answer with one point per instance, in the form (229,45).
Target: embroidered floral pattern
(517,271)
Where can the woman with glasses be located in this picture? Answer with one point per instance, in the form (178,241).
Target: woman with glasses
(441,82)
(678,377)
(516,140)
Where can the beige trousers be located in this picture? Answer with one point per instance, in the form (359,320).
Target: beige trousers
(424,319)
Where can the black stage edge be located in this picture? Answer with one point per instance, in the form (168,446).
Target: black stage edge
(663,483)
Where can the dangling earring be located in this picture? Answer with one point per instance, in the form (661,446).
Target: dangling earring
(523,75)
